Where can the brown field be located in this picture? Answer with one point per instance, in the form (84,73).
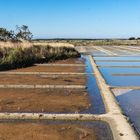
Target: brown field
(52,69)
(36,131)
(43,79)
(43,100)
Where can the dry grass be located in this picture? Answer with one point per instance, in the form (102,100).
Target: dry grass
(95,42)
(71,43)
(17,55)
(30,44)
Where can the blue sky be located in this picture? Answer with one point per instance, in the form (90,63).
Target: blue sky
(73,18)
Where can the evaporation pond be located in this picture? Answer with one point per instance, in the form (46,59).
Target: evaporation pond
(118,58)
(110,71)
(130,101)
(121,80)
(118,63)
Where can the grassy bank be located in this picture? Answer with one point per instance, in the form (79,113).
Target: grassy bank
(95,42)
(105,42)
(18,57)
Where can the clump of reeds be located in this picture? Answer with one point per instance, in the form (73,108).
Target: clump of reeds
(18,57)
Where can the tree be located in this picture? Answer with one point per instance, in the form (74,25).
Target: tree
(6,35)
(132,38)
(23,33)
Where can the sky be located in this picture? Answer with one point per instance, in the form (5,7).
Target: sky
(73,18)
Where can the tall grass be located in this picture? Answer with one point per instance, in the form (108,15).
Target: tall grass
(18,57)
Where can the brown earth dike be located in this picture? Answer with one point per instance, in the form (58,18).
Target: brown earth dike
(54,131)
(42,79)
(44,100)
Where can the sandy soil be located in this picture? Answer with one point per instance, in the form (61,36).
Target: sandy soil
(43,79)
(43,100)
(36,131)
(52,69)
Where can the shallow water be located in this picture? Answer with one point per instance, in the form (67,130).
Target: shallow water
(97,105)
(121,80)
(128,99)
(118,63)
(130,103)
(118,58)
(118,70)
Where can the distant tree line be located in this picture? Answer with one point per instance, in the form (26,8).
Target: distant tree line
(21,33)
(134,38)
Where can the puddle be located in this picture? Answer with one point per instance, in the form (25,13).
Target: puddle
(130,103)
(97,105)
(38,130)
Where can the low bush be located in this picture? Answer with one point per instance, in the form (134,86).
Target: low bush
(11,58)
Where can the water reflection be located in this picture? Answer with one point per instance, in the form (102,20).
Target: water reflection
(130,102)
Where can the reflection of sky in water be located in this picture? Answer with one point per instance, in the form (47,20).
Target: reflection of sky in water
(121,80)
(129,99)
(118,63)
(110,71)
(117,58)
(97,105)
(130,102)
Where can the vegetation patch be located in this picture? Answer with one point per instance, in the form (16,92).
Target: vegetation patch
(18,57)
